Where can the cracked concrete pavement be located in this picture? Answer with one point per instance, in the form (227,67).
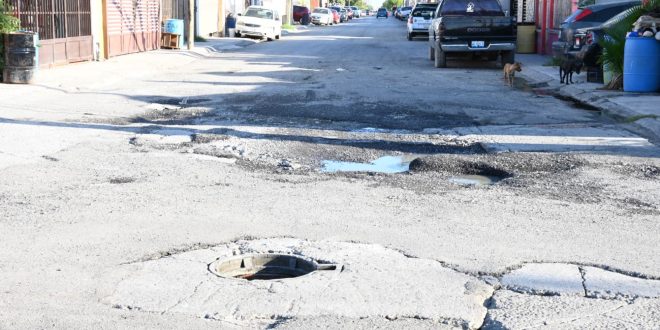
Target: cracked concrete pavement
(122,180)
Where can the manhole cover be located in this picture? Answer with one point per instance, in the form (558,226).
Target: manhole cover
(266,266)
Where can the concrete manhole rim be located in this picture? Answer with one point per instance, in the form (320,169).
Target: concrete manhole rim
(312,265)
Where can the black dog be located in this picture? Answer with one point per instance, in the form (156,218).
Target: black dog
(569,64)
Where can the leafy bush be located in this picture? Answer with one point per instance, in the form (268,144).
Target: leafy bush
(8,23)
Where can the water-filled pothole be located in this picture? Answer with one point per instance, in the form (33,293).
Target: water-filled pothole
(266,266)
(387,164)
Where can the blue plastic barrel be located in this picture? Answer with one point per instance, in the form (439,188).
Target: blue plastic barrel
(641,65)
(175,26)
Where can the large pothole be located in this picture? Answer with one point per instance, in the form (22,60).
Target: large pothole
(265,266)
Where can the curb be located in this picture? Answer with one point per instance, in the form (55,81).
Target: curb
(648,128)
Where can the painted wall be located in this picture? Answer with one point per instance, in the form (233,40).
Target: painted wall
(98,40)
(206,17)
(279,5)
(234,6)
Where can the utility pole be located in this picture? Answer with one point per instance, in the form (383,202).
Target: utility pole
(289,12)
(191,24)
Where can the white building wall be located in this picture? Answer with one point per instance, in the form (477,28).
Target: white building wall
(206,17)
(279,5)
(234,7)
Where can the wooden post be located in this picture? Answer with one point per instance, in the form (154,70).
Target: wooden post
(106,41)
(221,18)
(191,24)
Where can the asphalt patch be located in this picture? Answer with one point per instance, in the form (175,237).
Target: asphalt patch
(121,180)
(501,165)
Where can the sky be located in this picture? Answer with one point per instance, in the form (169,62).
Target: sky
(375,3)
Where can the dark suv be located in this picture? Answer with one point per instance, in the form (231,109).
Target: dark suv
(589,16)
(301,15)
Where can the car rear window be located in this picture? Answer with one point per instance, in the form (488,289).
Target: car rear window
(601,16)
(259,13)
(406,8)
(471,8)
(320,11)
(571,18)
(419,12)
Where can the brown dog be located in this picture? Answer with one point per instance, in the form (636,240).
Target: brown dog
(510,71)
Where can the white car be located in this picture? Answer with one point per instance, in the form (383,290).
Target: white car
(357,13)
(322,16)
(259,22)
(420,19)
(404,13)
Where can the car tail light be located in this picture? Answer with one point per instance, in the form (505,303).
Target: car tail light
(589,38)
(585,12)
(441,28)
(578,41)
(410,20)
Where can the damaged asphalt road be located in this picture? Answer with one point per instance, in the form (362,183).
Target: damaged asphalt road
(479,206)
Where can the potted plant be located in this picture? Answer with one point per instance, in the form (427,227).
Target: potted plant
(615,40)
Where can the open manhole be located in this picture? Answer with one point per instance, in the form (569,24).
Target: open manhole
(267,266)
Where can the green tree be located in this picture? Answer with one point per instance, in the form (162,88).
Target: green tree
(8,23)
(357,3)
(391,3)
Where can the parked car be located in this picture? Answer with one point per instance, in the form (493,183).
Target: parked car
(589,16)
(587,40)
(357,13)
(322,16)
(420,19)
(258,21)
(342,13)
(301,15)
(349,12)
(404,12)
(471,27)
(382,12)
(335,16)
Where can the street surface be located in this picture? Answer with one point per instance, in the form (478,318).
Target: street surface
(122,180)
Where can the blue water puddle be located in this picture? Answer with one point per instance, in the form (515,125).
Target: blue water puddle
(387,164)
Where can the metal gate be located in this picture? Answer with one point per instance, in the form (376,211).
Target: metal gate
(132,26)
(175,9)
(64,27)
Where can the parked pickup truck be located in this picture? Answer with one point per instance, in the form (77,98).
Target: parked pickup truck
(477,27)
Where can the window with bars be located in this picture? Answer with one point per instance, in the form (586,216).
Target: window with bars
(54,19)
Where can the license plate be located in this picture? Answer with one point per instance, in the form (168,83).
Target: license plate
(477,44)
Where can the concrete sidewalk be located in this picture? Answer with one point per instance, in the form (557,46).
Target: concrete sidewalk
(639,112)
